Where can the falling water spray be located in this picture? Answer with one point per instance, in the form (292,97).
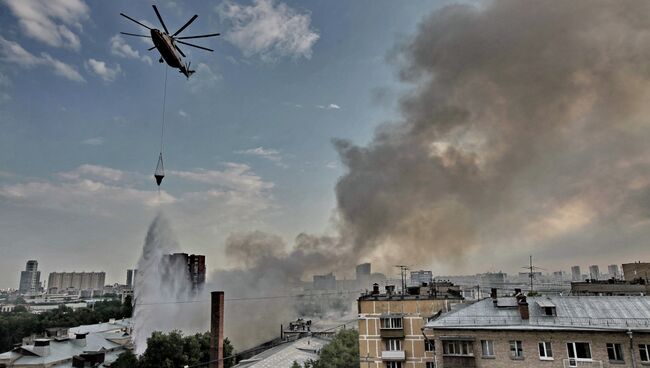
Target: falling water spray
(164,299)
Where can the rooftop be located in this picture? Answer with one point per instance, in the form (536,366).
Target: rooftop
(571,313)
(108,337)
(284,355)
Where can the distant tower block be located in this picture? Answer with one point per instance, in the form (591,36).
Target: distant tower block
(216,330)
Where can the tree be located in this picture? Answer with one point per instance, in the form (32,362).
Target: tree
(341,352)
(127,306)
(175,350)
(295,365)
(126,360)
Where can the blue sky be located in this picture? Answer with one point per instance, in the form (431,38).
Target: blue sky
(247,138)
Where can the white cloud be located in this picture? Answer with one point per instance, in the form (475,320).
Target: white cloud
(95,189)
(204,79)
(235,176)
(50,21)
(94,172)
(265,153)
(120,48)
(95,141)
(268,29)
(329,107)
(331,165)
(100,68)
(14,53)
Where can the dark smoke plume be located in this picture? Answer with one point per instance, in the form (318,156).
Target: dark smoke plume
(526,127)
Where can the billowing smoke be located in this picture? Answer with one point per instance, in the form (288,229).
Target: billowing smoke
(525,129)
(163,289)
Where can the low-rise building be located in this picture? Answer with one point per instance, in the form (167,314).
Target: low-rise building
(609,287)
(546,331)
(100,343)
(390,325)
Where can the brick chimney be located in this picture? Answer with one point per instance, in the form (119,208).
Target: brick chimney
(216,330)
(523,306)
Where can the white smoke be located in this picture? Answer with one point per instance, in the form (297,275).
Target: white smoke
(164,299)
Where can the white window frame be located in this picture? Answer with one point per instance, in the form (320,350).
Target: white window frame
(518,351)
(430,365)
(391,323)
(644,349)
(394,365)
(458,348)
(574,350)
(429,346)
(545,350)
(394,345)
(487,348)
(613,347)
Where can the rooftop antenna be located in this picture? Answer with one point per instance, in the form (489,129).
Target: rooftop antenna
(402,273)
(530,269)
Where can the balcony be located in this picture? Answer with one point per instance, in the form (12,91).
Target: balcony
(570,363)
(395,333)
(393,355)
(458,361)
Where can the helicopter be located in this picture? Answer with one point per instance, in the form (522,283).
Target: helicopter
(166,43)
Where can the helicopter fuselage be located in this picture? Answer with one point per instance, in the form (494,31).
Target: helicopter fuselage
(165,46)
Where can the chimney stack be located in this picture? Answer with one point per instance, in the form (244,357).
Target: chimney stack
(375,289)
(523,306)
(42,347)
(216,330)
(80,339)
(493,295)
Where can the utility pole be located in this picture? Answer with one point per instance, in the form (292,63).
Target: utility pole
(402,273)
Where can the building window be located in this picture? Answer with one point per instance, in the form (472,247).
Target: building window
(456,347)
(391,322)
(394,365)
(615,352)
(429,346)
(487,347)
(516,349)
(431,365)
(579,350)
(644,351)
(393,344)
(545,350)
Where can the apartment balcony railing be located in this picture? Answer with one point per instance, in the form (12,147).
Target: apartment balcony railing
(570,363)
(393,355)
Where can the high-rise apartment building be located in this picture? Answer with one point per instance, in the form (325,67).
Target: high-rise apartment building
(193,263)
(363,273)
(421,277)
(130,278)
(30,279)
(613,271)
(594,272)
(576,274)
(58,281)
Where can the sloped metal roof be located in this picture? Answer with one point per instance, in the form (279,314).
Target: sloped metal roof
(573,312)
(284,355)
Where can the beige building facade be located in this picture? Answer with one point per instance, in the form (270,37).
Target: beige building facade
(390,327)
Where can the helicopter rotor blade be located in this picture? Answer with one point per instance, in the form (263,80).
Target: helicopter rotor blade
(197,46)
(136,35)
(160,19)
(186,24)
(201,36)
(133,20)
(179,50)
